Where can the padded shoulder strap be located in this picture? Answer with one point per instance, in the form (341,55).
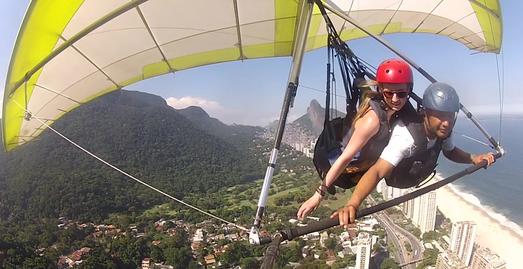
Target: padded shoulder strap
(417,131)
(378,108)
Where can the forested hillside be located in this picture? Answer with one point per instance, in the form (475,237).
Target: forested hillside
(137,132)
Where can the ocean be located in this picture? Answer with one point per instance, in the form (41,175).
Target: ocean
(498,190)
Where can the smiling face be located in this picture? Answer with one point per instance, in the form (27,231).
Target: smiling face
(395,95)
(439,124)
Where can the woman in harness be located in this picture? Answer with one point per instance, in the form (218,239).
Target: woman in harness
(370,129)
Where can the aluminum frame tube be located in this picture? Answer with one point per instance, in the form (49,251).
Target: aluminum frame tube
(298,51)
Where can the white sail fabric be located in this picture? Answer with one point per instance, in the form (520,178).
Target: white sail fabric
(69,52)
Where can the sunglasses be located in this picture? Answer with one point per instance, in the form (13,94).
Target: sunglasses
(390,94)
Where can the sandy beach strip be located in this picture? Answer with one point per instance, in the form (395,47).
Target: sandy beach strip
(493,232)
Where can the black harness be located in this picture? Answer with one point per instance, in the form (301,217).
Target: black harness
(328,143)
(412,171)
(372,150)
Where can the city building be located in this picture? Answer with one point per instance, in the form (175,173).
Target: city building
(391,192)
(198,236)
(486,259)
(449,260)
(382,185)
(420,210)
(424,212)
(462,239)
(323,237)
(146,263)
(408,208)
(363,251)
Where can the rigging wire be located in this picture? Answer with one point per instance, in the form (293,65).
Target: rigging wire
(317,90)
(500,86)
(476,140)
(334,92)
(129,175)
(501,90)
(368,65)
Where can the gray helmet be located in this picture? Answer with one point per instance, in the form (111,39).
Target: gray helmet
(441,97)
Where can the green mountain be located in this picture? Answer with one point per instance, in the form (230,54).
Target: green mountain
(179,152)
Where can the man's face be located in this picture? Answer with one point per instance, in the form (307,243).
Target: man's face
(439,124)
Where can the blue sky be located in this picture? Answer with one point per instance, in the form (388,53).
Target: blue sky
(251,92)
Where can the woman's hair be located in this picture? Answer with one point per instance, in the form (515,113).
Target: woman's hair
(366,96)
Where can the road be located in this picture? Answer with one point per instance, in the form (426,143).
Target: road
(399,236)
(417,247)
(393,238)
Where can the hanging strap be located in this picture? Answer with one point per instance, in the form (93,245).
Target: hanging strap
(350,68)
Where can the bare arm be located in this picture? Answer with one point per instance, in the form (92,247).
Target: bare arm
(369,181)
(460,156)
(365,128)
(364,187)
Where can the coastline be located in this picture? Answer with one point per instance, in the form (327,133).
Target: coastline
(494,230)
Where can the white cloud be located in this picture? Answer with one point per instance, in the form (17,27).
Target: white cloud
(207,105)
(213,108)
(243,113)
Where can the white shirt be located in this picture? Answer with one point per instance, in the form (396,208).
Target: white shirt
(401,144)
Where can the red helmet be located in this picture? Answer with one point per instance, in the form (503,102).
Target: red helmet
(394,71)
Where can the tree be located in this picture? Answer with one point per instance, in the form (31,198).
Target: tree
(339,264)
(193,265)
(416,232)
(376,247)
(37,263)
(389,263)
(315,264)
(351,258)
(292,253)
(157,254)
(380,233)
(236,251)
(407,246)
(249,263)
(330,243)
(430,236)
(181,257)
(98,258)
(129,251)
(431,255)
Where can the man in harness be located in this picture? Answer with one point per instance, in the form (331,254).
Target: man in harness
(412,152)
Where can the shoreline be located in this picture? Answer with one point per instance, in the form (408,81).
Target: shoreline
(492,212)
(494,230)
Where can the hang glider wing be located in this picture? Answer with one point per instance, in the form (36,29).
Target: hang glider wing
(69,52)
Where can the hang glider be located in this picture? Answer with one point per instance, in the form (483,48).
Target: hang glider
(69,52)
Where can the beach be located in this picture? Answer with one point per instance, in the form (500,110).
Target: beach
(493,230)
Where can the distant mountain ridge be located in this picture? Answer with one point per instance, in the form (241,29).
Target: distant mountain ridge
(203,121)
